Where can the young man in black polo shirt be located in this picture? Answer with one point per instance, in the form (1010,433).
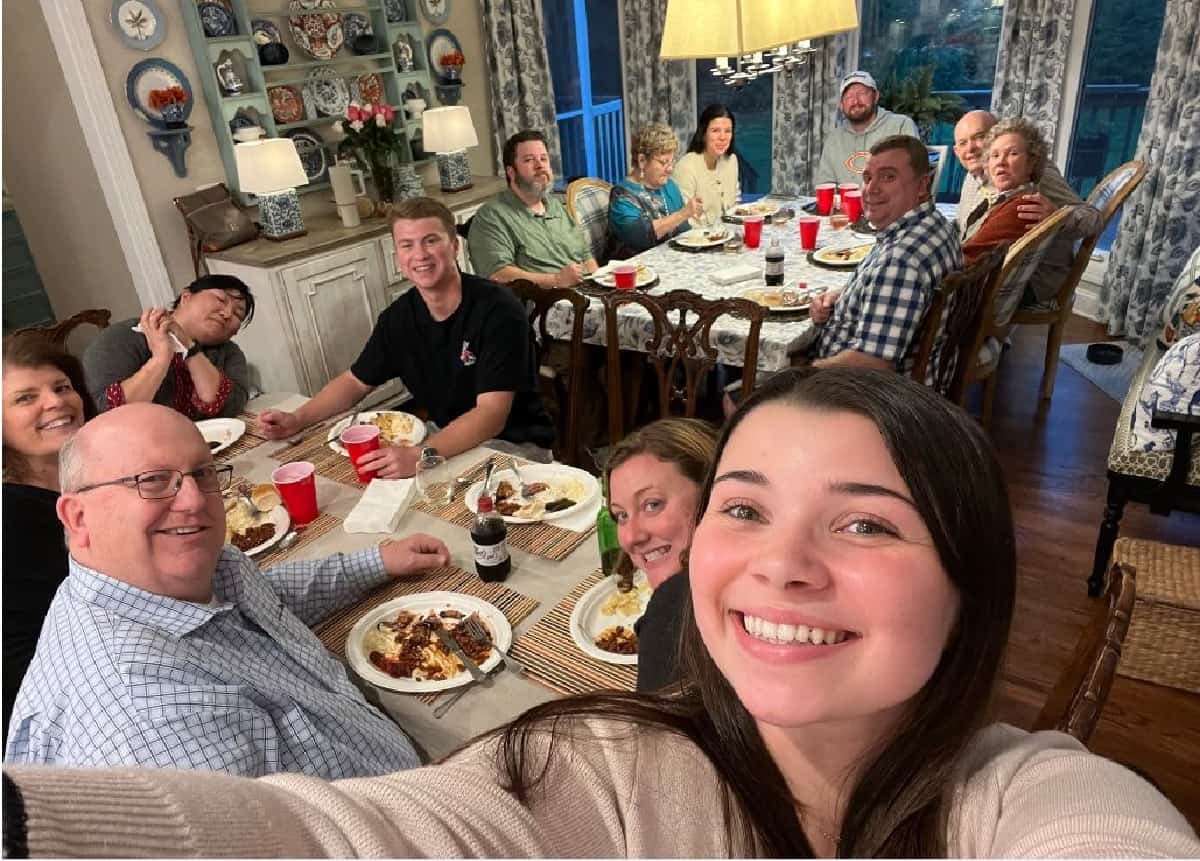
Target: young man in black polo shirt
(462,346)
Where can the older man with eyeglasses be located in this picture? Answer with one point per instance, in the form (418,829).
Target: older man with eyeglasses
(165,648)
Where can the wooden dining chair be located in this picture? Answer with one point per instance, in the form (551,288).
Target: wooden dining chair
(1108,197)
(538,301)
(679,346)
(1023,258)
(587,204)
(1078,697)
(59,332)
(956,309)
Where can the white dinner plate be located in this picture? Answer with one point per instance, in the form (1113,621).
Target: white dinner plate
(833,255)
(771,298)
(223,432)
(703,237)
(415,436)
(765,208)
(548,472)
(422,603)
(604,275)
(587,621)
(279,517)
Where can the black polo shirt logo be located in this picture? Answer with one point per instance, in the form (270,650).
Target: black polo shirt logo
(466,356)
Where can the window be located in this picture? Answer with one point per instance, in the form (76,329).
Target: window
(751,107)
(585,65)
(1121,51)
(957,38)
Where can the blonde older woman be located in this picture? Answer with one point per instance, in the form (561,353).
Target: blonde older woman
(1016,157)
(647,206)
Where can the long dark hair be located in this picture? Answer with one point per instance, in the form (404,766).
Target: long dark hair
(34,350)
(902,790)
(712,112)
(223,282)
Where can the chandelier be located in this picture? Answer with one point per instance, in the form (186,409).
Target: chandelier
(748,67)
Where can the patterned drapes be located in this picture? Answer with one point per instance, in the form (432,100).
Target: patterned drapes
(1160,227)
(805,109)
(514,47)
(655,92)
(1032,63)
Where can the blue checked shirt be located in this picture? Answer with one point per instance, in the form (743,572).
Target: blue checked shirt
(126,677)
(881,308)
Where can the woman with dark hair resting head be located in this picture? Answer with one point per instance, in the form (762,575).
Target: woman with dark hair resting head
(45,403)
(182,358)
(852,576)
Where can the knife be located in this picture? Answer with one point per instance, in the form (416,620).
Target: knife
(452,646)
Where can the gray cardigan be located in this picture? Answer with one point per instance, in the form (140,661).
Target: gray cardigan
(119,352)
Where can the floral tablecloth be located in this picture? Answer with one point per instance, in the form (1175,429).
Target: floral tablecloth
(779,340)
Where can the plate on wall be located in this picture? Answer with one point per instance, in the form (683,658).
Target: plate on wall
(265,31)
(216,19)
(438,44)
(329,92)
(436,11)
(287,105)
(318,34)
(369,88)
(355,24)
(140,23)
(396,13)
(155,74)
(311,150)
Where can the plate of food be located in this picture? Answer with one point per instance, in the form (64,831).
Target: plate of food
(258,525)
(220,434)
(781,300)
(843,256)
(395,428)
(646,276)
(557,491)
(395,646)
(603,619)
(765,208)
(702,237)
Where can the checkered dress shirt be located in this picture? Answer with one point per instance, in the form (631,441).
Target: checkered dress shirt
(881,308)
(241,685)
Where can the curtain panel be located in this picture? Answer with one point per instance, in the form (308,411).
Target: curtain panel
(655,92)
(514,47)
(805,109)
(1032,62)
(1160,227)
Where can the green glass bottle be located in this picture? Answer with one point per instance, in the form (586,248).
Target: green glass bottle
(606,533)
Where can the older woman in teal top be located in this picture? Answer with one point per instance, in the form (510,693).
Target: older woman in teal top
(647,206)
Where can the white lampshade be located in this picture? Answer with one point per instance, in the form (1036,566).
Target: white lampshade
(729,28)
(269,166)
(448,129)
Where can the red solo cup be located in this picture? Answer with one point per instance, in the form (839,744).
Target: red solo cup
(297,484)
(357,441)
(625,276)
(846,188)
(808,232)
(852,205)
(825,198)
(752,227)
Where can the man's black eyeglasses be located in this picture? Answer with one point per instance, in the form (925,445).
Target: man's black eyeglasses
(165,483)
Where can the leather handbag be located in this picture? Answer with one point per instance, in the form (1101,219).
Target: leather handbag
(214,222)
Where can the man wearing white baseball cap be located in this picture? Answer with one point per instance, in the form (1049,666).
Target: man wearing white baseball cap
(848,146)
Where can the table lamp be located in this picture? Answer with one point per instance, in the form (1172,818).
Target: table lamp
(271,169)
(448,133)
(694,29)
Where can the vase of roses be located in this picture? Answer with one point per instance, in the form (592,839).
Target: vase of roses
(373,141)
(169,103)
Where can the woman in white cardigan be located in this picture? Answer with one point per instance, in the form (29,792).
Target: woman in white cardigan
(853,577)
(709,170)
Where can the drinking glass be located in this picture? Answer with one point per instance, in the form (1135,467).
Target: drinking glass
(434,479)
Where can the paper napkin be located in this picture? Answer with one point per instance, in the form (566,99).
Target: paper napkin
(734,274)
(381,506)
(179,348)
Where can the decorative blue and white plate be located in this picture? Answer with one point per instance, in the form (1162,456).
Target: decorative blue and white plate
(438,44)
(155,74)
(265,31)
(329,93)
(312,153)
(437,11)
(216,19)
(139,23)
(354,25)
(396,13)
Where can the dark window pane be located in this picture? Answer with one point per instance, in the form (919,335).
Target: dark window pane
(604,50)
(559,19)
(751,108)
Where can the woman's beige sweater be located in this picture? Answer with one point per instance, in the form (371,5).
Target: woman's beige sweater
(610,791)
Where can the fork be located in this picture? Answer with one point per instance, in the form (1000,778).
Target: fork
(473,629)
(526,493)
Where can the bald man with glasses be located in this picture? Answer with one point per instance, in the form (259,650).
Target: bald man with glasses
(166,648)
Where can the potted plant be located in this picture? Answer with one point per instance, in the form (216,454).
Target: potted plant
(374,143)
(169,103)
(914,97)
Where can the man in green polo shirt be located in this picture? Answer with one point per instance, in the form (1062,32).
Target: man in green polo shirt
(524,232)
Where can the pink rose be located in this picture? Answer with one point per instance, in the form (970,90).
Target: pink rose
(353,113)
(389,113)
(367,110)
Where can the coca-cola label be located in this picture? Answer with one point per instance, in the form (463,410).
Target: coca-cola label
(491,554)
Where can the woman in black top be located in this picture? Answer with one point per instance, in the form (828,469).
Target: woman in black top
(45,403)
(654,479)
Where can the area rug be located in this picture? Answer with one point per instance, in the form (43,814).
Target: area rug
(1113,380)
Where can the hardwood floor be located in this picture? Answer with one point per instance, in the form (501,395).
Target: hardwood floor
(1055,461)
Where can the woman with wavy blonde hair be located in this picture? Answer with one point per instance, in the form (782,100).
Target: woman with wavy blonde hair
(647,206)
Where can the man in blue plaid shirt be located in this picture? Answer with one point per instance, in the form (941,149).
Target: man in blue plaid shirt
(165,648)
(873,321)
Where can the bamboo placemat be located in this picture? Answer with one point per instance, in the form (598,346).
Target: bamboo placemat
(314,449)
(515,606)
(249,440)
(324,524)
(549,652)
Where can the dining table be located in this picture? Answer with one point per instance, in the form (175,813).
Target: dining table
(534,581)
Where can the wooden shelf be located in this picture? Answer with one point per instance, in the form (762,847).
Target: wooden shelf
(341,7)
(306,124)
(243,99)
(353,58)
(228,40)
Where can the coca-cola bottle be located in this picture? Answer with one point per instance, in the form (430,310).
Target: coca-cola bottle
(489,534)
